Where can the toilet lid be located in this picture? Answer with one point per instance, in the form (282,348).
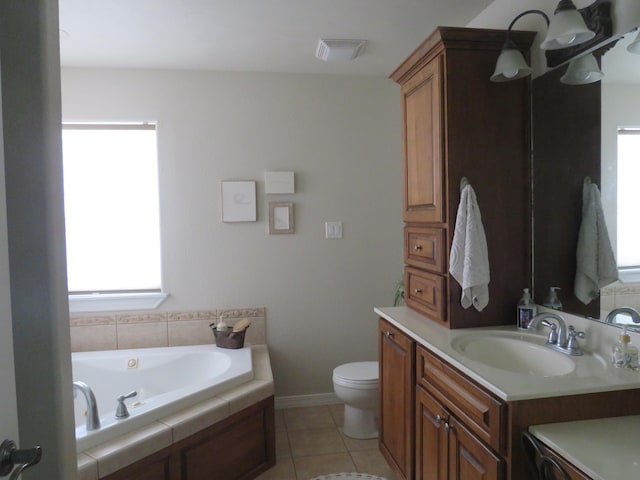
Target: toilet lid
(357,372)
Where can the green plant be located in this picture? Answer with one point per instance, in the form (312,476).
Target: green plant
(398,298)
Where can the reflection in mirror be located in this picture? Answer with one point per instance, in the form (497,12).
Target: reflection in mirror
(566,150)
(572,131)
(621,173)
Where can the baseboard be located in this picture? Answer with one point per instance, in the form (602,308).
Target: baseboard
(313,400)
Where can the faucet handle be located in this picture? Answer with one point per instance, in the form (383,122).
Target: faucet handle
(573,344)
(553,331)
(121,410)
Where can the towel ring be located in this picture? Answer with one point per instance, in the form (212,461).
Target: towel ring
(587,180)
(463,183)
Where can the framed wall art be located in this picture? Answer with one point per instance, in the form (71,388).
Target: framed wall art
(281,218)
(238,201)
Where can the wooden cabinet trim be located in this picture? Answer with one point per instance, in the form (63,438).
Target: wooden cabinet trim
(461,38)
(423,145)
(470,458)
(479,410)
(253,426)
(424,247)
(432,445)
(397,399)
(426,292)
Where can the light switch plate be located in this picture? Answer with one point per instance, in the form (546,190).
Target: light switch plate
(333,230)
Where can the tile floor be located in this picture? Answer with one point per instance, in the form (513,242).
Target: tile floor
(309,442)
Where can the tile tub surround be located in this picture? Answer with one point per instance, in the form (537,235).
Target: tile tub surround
(620,295)
(111,456)
(107,331)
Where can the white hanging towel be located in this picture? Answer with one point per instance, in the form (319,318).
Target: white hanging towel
(596,265)
(469,259)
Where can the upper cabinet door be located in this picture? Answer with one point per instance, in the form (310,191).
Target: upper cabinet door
(422,171)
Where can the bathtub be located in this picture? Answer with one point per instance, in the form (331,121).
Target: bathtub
(167,380)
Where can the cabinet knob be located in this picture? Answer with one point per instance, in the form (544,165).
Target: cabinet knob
(417,291)
(388,334)
(417,248)
(439,419)
(448,427)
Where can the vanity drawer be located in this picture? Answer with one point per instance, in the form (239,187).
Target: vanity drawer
(424,248)
(476,408)
(425,292)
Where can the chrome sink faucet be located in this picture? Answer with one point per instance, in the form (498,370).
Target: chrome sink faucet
(632,312)
(93,419)
(560,338)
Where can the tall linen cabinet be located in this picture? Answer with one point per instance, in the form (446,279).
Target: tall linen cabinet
(455,124)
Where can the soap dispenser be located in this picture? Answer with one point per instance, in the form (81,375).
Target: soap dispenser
(526,310)
(552,300)
(623,353)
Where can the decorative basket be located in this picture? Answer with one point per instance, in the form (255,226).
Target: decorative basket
(228,338)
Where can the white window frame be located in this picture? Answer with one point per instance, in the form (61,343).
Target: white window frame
(627,274)
(101,301)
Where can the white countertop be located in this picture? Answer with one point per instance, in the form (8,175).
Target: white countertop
(504,384)
(604,449)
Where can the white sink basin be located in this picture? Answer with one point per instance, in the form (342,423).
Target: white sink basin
(518,353)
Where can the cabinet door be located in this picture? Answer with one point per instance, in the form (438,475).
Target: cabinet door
(432,446)
(469,458)
(397,380)
(422,171)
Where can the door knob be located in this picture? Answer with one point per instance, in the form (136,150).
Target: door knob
(11,457)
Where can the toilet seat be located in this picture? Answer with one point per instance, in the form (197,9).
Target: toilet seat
(357,375)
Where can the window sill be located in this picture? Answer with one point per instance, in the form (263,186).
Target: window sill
(109,302)
(629,275)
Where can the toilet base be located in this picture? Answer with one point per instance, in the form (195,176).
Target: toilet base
(360,423)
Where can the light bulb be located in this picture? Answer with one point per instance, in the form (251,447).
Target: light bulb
(566,39)
(510,73)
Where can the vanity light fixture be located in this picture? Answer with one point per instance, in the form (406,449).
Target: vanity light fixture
(511,64)
(567,28)
(582,71)
(634,47)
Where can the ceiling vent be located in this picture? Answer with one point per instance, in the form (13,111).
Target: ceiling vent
(336,50)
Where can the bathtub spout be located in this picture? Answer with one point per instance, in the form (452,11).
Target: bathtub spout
(93,419)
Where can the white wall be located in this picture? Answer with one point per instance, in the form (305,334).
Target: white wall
(341,136)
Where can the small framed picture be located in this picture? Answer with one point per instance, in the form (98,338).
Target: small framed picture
(238,201)
(281,218)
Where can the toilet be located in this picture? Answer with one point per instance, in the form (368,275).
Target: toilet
(356,384)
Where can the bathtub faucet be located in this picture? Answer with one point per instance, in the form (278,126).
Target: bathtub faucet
(93,419)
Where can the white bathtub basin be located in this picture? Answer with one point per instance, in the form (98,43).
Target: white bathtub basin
(167,380)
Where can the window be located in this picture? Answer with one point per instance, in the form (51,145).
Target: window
(111,214)
(628,200)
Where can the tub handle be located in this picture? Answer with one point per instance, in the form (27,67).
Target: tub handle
(121,410)
(11,457)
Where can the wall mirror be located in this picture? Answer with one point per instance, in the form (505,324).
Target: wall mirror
(575,135)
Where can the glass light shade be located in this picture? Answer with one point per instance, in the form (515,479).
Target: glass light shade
(510,66)
(634,47)
(582,70)
(567,28)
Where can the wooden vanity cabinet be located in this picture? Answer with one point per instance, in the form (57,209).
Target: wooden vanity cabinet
(397,380)
(456,422)
(456,123)
(437,423)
